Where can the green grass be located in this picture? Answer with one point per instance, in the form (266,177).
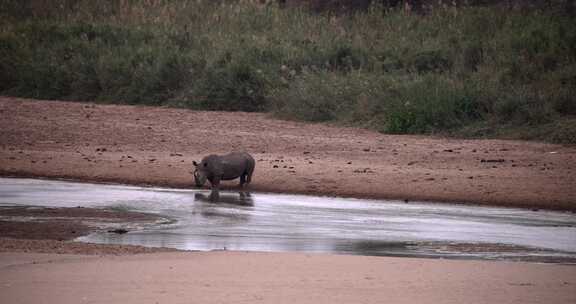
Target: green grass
(464,72)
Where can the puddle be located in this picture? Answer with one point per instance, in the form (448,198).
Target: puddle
(274,222)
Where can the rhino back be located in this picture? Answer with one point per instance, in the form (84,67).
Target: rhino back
(235,164)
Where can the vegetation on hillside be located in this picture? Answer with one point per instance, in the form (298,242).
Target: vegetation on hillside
(481,72)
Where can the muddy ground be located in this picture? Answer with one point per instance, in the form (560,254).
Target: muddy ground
(156,146)
(51,230)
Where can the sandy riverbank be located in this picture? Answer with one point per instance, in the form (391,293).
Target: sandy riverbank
(156,146)
(237,277)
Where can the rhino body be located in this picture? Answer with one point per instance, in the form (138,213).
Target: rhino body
(215,168)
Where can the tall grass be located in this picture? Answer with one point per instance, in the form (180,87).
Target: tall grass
(467,71)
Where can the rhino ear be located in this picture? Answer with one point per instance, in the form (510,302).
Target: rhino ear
(195,163)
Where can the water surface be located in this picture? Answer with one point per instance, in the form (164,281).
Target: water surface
(275,222)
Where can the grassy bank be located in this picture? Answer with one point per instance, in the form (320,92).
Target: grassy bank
(468,71)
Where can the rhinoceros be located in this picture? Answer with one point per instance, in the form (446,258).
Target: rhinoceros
(215,168)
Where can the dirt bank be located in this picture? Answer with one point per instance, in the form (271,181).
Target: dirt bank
(156,146)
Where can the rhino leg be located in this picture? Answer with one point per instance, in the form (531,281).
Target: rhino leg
(249,174)
(246,177)
(214,196)
(242,180)
(215,183)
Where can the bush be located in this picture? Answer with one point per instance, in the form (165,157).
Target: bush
(432,104)
(232,88)
(312,97)
(430,61)
(563,132)
(384,69)
(522,108)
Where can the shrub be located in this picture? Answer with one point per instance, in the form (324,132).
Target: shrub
(431,104)
(430,61)
(563,132)
(238,87)
(314,96)
(523,106)
(380,68)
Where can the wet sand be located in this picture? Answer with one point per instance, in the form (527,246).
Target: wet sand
(238,277)
(52,230)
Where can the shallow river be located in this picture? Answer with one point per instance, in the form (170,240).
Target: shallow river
(274,222)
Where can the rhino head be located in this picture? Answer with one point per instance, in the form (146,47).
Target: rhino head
(200,173)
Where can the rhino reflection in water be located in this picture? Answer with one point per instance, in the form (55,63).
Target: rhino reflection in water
(238,199)
(215,168)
